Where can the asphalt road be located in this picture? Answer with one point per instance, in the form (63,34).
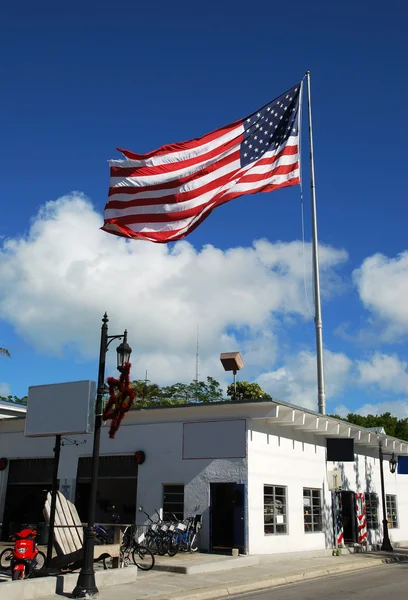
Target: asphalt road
(385,583)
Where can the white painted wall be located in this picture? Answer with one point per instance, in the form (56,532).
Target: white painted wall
(364,476)
(275,456)
(284,457)
(162,444)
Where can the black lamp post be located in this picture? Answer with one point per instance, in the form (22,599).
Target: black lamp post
(386,545)
(86,585)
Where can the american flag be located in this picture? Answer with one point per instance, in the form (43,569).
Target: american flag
(165,194)
(339,519)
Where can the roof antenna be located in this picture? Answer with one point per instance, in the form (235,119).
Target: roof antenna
(197,355)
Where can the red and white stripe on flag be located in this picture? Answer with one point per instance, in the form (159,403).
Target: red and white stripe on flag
(165,194)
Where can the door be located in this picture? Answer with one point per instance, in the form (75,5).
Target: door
(349,517)
(227,516)
(239,516)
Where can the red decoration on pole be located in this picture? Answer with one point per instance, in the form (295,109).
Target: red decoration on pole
(121,398)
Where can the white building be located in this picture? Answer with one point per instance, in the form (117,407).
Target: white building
(257,472)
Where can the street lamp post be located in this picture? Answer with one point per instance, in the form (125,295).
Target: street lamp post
(386,545)
(86,585)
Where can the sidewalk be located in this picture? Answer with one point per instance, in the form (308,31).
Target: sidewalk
(209,576)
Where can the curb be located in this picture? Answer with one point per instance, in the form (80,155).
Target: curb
(262,584)
(42,587)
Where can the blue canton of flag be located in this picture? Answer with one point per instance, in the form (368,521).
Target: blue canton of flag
(271,126)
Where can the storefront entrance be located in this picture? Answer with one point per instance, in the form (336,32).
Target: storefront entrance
(227,517)
(29,481)
(117,486)
(349,517)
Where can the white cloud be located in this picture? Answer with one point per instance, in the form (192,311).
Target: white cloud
(382,283)
(58,280)
(387,372)
(296,381)
(4,389)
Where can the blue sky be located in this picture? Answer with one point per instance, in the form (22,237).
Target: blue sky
(81,79)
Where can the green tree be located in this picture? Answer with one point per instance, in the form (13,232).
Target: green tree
(146,392)
(14,399)
(401,430)
(205,392)
(5,352)
(178,393)
(151,394)
(247,391)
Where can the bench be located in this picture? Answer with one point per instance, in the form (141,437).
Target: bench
(69,537)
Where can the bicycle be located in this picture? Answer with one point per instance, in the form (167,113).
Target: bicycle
(141,555)
(159,538)
(186,535)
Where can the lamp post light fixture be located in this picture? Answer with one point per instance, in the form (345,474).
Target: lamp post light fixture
(86,585)
(123,352)
(232,361)
(393,463)
(386,545)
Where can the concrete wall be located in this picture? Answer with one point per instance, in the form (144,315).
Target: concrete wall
(284,457)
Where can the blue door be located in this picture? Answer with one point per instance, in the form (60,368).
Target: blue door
(239,516)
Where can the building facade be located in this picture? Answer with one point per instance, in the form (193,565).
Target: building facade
(257,472)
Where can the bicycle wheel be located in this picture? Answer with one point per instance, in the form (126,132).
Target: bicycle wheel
(151,542)
(5,559)
(143,558)
(162,546)
(193,545)
(40,564)
(173,546)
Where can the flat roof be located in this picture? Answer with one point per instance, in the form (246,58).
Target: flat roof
(11,409)
(296,417)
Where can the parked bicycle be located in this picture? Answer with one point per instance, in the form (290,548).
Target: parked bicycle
(169,535)
(159,537)
(131,547)
(186,534)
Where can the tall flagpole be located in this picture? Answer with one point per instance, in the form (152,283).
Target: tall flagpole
(321,395)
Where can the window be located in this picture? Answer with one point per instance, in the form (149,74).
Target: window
(371,510)
(173,500)
(392,513)
(312,510)
(275,515)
